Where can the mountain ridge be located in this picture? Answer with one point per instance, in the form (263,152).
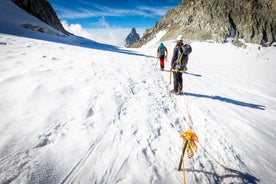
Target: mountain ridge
(42,10)
(254,21)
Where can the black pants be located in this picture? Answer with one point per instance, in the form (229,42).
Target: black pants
(177,81)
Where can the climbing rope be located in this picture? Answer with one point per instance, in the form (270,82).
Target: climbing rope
(189,138)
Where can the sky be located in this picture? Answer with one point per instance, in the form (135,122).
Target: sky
(110,20)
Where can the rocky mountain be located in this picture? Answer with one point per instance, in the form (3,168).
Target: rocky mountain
(43,10)
(132,37)
(251,20)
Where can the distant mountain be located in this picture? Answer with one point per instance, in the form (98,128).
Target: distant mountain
(251,20)
(132,37)
(43,10)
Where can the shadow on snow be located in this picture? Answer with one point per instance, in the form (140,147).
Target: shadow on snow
(244,177)
(187,73)
(73,40)
(196,75)
(228,100)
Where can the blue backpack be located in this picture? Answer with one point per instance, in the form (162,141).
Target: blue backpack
(162,49)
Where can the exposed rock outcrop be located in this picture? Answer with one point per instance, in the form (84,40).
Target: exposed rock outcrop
(251,20)
(43,10)
(132,37)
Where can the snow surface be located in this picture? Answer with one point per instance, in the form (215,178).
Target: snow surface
(77,111)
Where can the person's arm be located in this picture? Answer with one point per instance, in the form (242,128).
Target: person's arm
(174,57)
(157,53)
(166,52)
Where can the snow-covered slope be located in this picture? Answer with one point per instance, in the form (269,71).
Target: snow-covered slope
(15,21)
(93,113)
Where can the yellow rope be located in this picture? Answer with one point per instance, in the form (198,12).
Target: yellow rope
(190,137)
(188,113)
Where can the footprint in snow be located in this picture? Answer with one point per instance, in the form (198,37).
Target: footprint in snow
(90,112)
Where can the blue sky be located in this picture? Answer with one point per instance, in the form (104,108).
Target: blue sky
(112,13)
(110,21)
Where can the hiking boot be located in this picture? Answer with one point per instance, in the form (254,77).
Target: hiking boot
(173,92)
(161,69)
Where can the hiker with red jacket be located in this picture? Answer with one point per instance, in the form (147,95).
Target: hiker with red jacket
(179,62)
(162,54)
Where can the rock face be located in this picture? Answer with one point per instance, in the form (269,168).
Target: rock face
(132,37)
(251,20)
(43,11)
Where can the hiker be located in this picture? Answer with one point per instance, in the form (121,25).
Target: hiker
(179,62)
(162,53)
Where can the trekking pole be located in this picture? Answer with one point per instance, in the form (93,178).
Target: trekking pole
(157,60)
(182,156)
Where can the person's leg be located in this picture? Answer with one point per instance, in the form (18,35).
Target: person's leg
(180,84)
(162,62)
(177,85)
(175,81)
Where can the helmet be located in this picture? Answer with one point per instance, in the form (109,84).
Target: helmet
(179,38)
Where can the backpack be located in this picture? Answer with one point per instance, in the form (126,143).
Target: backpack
(186,50)
(162,50)
(183,56)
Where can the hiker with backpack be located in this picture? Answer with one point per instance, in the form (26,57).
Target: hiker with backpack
(179,62)
(162,54)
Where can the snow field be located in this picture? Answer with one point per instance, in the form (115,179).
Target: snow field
(74,114)
(77,111)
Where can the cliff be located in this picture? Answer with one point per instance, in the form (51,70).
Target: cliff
(43,10)
(251,20)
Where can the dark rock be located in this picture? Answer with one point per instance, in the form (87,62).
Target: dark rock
(43,10)
(132,37)
(251,20)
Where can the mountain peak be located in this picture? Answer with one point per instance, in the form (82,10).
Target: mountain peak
(133,30)
(132,37)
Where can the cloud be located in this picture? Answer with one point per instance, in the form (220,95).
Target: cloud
(76,29)
(153,11)
(102,23)
(102,11)
(106,34)
(70,14)
(113,36)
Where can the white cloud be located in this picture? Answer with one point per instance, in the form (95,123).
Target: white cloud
(76,29)
(101,11)
(148,11)
(102,23)
(71,14)
(106,34)
(113,36)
